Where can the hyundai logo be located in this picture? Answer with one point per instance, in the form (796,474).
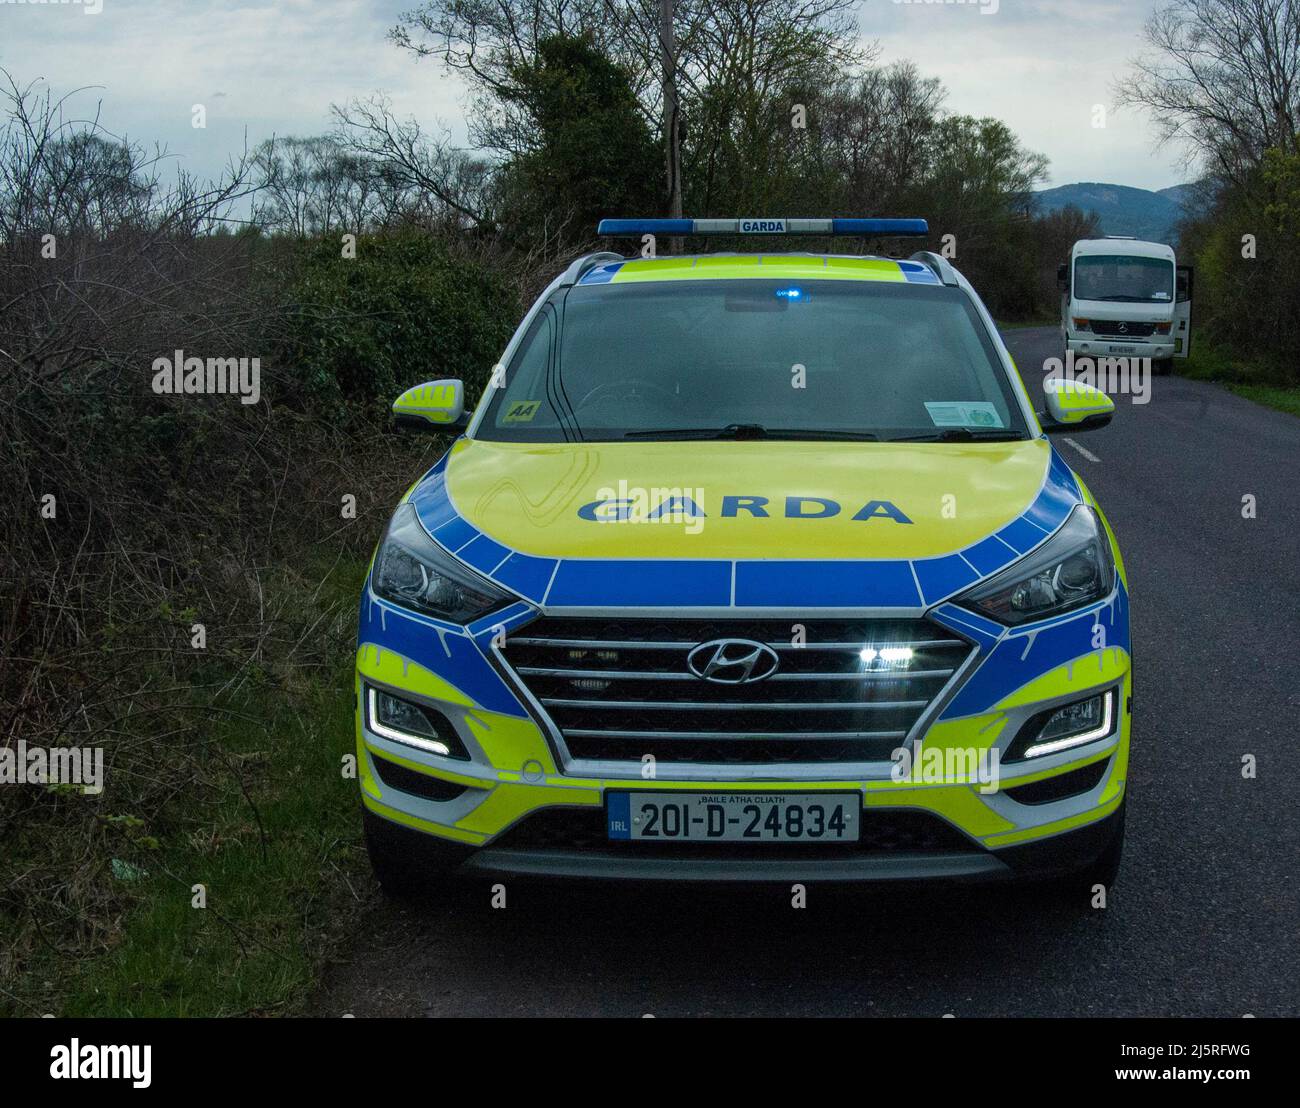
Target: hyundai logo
(732,661)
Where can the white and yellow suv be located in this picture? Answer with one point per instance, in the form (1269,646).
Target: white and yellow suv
(748,567)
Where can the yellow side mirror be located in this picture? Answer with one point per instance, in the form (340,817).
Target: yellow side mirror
(432,406)
(1073,406)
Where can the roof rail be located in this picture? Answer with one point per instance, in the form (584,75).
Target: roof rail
(588,261)
(941,266)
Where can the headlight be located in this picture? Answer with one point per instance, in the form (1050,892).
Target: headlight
(1070,725)
(414,571)
(1072,569)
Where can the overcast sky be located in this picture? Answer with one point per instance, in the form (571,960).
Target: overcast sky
(263,67)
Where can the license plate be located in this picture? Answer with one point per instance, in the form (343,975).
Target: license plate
(734,817)
(1123,349)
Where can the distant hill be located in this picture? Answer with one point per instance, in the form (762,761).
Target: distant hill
(1123,210)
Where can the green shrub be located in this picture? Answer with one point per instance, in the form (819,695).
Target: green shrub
(406,309)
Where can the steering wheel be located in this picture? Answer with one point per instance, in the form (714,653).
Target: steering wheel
(630,387)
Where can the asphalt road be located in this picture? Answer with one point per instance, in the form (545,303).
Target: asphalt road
(1205,915)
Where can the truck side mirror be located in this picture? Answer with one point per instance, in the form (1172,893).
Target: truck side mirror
(1063,277)
(432,407)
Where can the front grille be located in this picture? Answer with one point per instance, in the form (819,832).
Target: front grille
(1131,330)
(886,831)
(619,690)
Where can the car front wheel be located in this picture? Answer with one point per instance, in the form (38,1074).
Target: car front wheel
(408,863)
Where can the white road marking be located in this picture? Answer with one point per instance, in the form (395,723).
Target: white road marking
(1086,453)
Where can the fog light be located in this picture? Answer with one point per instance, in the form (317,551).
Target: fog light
(403,721)
(1065,727)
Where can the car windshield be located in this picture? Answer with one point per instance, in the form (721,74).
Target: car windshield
(743,358)
(1124,279)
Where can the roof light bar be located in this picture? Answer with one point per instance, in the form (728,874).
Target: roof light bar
(612,228)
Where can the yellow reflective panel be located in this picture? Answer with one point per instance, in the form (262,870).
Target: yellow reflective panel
(1098,667)
(390,668)
(509,803)
(511,743)
(433,402)
(741,499)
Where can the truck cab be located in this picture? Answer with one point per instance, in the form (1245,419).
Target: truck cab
(1122,298)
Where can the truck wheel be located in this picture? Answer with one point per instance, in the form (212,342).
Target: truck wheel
(1163,366)
(407,863)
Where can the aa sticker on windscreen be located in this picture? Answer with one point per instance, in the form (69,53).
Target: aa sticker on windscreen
(521,411)
(964,413)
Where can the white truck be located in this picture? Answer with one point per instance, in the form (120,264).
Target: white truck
(1122,298)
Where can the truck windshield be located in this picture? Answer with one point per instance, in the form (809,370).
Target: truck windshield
(744,358)
(1124,279)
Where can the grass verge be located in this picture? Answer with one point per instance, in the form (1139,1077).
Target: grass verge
(265,835)
(1246,378)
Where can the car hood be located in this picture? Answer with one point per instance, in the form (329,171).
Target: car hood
(743,500)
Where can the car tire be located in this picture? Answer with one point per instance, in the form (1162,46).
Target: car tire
(1077,887)
(407,863)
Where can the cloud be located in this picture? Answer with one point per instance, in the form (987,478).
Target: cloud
(280,64)
(1040,65)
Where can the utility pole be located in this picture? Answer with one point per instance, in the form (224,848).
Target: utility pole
(672,114)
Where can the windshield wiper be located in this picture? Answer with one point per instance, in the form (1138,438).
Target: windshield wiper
(965,434)
(731,431)
(820,434)
(742,431)
(1125,298)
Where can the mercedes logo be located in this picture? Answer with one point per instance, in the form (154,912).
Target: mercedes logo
(732,661)
(1122,328)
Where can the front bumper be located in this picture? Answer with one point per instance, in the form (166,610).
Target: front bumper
(1044,857)
(481,811)
(1106,346)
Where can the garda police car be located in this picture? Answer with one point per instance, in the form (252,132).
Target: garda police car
(748,567)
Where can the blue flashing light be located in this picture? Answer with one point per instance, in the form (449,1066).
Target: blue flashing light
(615,227)
(879,227)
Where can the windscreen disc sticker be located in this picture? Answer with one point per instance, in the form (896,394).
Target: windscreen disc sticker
(964,413)
(521,411)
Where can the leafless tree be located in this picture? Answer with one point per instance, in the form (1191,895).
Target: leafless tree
(732,57)
(1222,78)
(429,176)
